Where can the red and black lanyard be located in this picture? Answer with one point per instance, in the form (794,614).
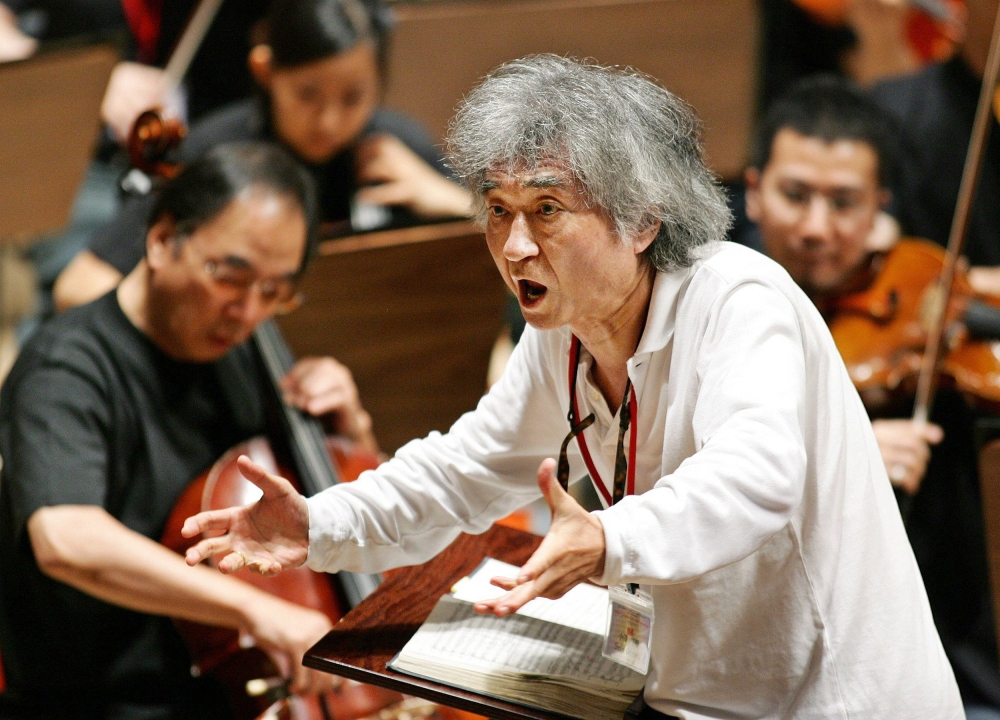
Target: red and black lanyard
(624,483)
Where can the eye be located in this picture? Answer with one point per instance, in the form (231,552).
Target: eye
(844,203)
(353,97)
(496,210)
(548,209)
(308,94)
(798,196)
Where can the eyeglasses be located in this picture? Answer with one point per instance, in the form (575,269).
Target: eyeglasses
(279,293)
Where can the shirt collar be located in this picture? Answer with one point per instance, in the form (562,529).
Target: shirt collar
(662,312)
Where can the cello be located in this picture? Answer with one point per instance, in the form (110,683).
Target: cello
(253,684)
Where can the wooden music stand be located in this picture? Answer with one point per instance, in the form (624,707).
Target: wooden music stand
(414,314)
(370,635)
(49,124)
(48,128)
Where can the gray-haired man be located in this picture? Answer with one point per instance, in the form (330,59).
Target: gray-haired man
(756,507)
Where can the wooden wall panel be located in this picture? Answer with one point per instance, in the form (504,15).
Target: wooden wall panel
(49,124)
(414,315)
(704,50)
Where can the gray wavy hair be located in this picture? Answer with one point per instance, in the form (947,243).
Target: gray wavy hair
(633,147)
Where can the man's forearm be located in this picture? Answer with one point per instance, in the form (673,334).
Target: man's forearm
(83,546)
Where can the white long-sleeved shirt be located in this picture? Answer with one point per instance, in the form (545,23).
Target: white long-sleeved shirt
(763,521)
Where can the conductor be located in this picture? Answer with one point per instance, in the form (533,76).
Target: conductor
(742,483)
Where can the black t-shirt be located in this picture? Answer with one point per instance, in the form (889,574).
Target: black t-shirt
(121,243)
(94,413)
(219,73)
(937,107)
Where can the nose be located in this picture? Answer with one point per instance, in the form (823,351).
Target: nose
(329,119)
(249,309)
(519,244)
(817,225)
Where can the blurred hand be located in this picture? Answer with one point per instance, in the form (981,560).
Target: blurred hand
(14,44)
(985,280)
(268,536)
(132,89)
(323,386)
(572,551)
(398,176)
(286,631)
(905,447)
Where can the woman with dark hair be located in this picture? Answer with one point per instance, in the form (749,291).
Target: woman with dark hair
(320,71)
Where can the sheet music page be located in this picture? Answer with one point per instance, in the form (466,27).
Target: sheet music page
(585,607)
(457,636)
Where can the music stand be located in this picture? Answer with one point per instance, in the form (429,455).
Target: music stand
(48,129)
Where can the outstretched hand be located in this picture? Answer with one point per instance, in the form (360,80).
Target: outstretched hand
(572,551)
(268,536)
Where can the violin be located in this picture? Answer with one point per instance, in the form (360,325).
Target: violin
(882,330)
(916,300)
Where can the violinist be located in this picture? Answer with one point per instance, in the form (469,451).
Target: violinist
(822,166)
(321,79)
(111,410)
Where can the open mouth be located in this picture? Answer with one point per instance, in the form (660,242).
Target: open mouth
(530,292)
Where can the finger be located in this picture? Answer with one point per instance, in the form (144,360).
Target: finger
(551,489)
(271,485)
(330,402)
(505,583)
(508,603)
(233,562)
(301,680)
(933,433)
(207,548)
(210,520)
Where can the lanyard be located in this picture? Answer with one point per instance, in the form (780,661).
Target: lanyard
(624,481)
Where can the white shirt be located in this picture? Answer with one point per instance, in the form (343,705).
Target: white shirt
(763,521)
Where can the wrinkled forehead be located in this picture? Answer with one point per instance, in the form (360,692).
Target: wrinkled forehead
(544,175)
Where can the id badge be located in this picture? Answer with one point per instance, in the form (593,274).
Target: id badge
(630,623)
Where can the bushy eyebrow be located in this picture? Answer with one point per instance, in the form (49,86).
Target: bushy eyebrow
(545,182)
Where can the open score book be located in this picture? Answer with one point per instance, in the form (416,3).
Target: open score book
(547,655)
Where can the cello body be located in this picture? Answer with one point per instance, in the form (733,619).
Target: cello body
(232,658)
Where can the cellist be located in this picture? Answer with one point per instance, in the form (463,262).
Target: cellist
(819,177)
(111,410)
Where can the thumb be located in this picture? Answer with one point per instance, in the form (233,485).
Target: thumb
(933,434)
(271,485)
(552,491)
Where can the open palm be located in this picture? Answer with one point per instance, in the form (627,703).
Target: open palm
(268,536)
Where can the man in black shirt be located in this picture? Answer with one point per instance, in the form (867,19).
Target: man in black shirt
(819,177)
(110,411)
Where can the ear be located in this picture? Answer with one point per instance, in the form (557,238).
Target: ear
(160,243)
(751,179)
(884,198)
(260,62)
(646,237)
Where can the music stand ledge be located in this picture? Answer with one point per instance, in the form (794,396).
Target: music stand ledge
(370,635)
